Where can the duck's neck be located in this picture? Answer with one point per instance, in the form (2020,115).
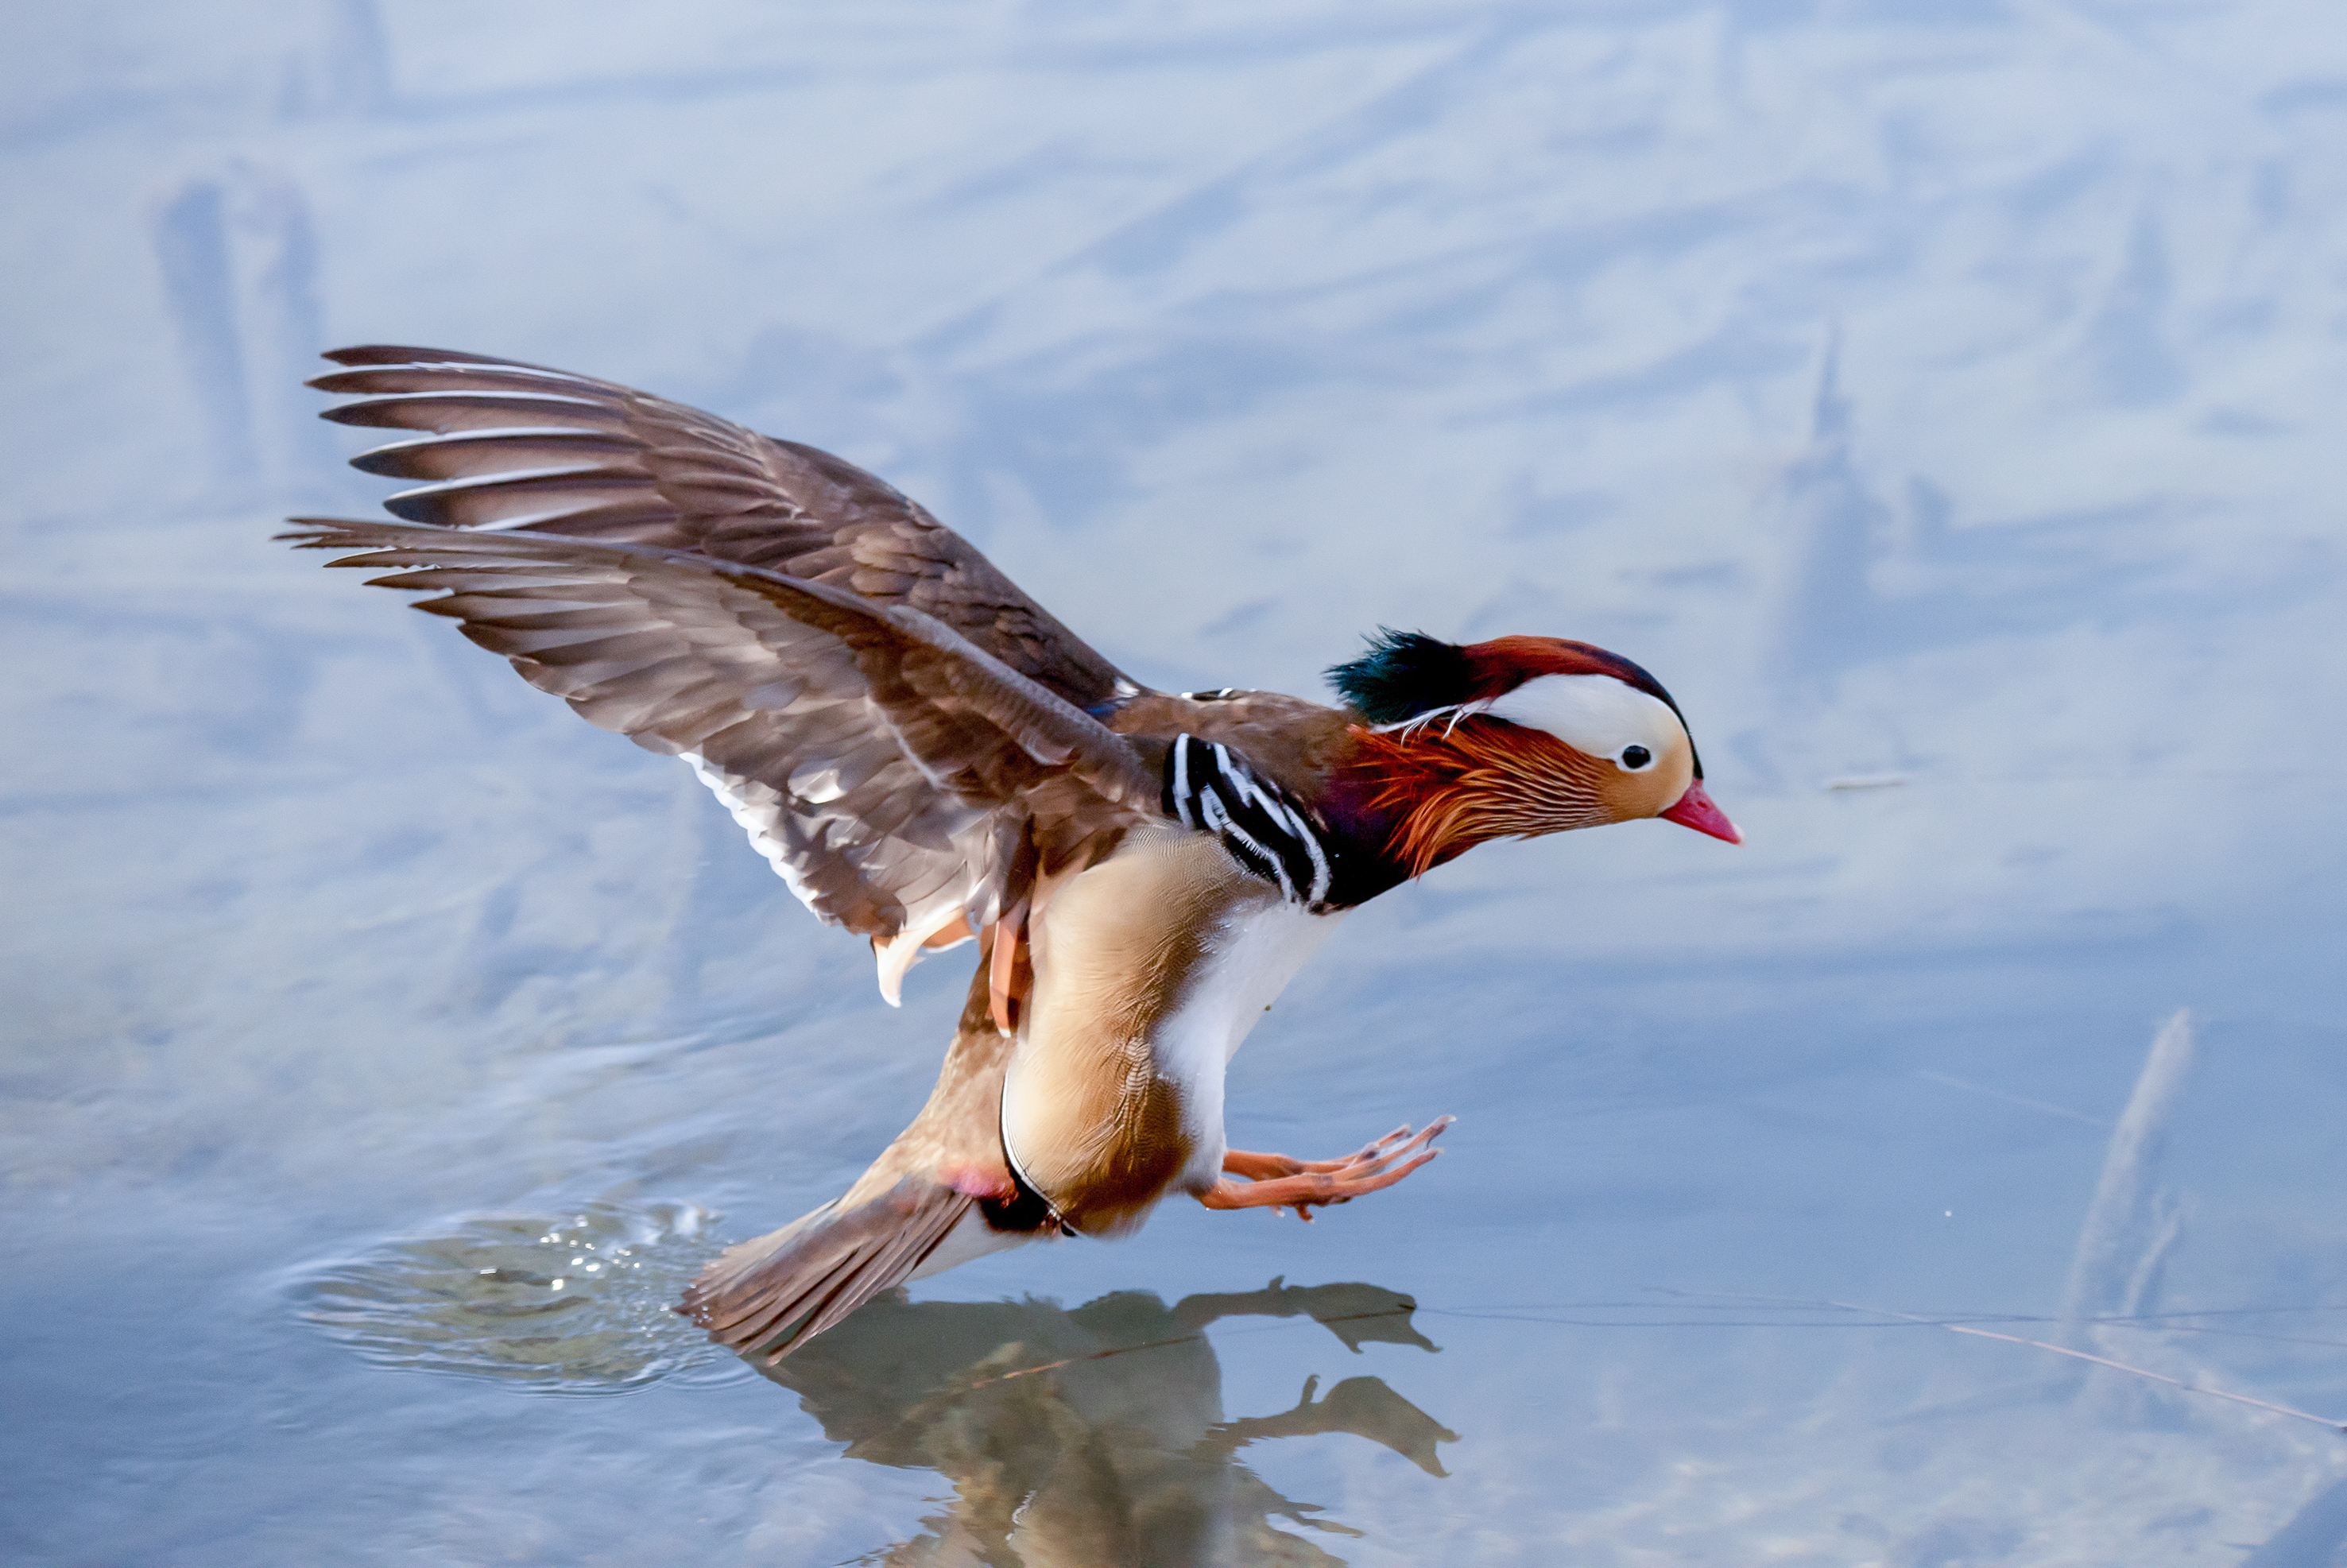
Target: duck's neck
(1410,804)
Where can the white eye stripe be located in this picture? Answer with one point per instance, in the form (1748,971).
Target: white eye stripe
(1595,714)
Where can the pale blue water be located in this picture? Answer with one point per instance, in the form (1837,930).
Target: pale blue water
(1947,407)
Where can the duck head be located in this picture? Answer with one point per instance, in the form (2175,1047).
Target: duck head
(1515,737)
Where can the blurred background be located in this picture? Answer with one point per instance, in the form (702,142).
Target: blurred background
(1943,401)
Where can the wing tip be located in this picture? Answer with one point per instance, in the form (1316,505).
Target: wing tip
(372,354)
(314,533)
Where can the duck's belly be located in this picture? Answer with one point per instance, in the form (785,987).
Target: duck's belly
(1149,970)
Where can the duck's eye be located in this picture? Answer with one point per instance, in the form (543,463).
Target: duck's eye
(1635,757)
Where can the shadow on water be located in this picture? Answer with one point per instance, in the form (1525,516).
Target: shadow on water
(1097,1434)
(1085,1435)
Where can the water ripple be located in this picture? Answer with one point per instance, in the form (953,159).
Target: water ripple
(580,1304)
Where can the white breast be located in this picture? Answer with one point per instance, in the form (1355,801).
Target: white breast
(1258,948)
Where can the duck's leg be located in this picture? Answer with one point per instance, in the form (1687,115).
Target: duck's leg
(1262,1167)
(1280,1181)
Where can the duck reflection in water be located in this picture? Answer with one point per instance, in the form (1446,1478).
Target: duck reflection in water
(1078,1439)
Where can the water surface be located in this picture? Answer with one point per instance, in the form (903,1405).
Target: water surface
(1947,410)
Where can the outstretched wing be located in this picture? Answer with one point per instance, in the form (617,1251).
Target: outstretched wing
(901,778)
(520,446)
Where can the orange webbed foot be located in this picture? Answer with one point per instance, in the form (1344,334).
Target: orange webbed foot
(1279,1181)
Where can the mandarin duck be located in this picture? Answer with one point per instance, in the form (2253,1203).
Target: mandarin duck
(929,758)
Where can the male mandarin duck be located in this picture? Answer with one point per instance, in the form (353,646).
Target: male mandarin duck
(928,757)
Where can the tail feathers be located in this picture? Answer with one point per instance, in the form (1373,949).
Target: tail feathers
(772,1295)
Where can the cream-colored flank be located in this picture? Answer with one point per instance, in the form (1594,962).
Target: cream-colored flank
(1150,969)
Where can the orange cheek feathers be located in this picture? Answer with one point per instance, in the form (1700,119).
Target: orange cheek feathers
(1454,787)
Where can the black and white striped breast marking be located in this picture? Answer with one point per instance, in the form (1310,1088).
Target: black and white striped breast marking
(1209,787)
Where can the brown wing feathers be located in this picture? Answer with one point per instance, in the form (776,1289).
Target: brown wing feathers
(899,727)
(522,447)
(912,762)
